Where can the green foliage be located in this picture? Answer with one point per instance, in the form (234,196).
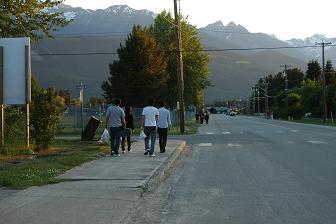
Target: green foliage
(311,92)
(294,105)
(195,63)
(314,70)
(140,71)
(330,74)
(46,113)
(29,18)
(65,94)
(14,127)
(295,77)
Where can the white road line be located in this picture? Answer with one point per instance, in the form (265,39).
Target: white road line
(233,145)
(226,132)
(295,131)
(209,133)
(205,144)
(316,142)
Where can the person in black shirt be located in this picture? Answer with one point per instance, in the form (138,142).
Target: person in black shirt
(128,130)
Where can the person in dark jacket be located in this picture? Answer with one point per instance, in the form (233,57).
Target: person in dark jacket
(128,130)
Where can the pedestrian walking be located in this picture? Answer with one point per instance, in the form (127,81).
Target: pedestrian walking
(201,115)
(128,130)
(150,115)
(115,122)
(163,124)
(206,117)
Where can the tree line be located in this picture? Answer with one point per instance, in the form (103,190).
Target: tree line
(304,92)
(147,65)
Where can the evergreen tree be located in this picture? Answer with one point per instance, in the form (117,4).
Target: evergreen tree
(29,18)
(140,71)
(330,74)
(314,70)
(295,76)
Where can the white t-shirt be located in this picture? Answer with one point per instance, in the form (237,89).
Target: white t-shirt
(150,112)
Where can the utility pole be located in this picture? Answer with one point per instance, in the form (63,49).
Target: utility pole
(253,98)
(325,110)
(258,102)
(2,107)
(266,100)
(286,81)
(179,65)
(81,88)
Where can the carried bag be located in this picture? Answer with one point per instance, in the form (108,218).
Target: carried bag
(105,136)
(142,135)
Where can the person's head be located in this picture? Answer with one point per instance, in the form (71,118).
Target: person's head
(161,103)
(150,102)
(117,102)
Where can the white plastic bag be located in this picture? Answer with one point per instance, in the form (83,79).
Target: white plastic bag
(142,135)
(105,136)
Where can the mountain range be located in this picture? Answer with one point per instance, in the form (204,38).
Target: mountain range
(240,57)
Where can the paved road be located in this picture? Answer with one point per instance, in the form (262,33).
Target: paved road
(248,170)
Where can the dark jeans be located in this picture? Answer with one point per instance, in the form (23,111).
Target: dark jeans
(115,133)
(126,134)
(162,132)
(150,132)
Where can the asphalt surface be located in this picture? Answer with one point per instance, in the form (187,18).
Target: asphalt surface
(101,191)
(248,170)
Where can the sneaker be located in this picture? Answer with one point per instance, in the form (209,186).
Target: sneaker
(130,150)
(152,155)
(117,155)
(123,152)
(146,153)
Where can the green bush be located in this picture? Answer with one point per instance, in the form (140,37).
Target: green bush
(46,113)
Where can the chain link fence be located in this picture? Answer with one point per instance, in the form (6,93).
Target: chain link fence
(71,123)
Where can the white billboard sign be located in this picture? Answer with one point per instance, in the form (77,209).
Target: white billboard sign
(15,83)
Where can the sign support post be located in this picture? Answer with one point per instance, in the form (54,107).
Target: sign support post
(27,94)
(2,116)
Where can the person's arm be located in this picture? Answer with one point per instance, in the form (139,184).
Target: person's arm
(169,120)
(123,121)
(156,116)
(143,117)
(107,118)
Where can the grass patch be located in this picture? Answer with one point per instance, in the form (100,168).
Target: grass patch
(317,121)
(190,128)
(43,168)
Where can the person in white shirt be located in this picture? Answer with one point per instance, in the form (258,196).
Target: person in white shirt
(150,115)
(163,124)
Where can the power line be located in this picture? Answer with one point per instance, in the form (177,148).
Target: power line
(173,51)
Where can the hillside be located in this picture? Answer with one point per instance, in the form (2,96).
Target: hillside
(102,31)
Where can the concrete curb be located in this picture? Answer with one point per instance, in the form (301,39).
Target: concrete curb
(163,171)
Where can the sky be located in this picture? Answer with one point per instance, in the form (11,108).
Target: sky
(285,19)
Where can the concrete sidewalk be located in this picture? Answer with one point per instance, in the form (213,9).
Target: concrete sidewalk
(101,191)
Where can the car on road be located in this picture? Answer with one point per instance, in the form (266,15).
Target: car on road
(233,113)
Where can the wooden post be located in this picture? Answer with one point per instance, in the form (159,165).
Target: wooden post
(27,95)
(2,115)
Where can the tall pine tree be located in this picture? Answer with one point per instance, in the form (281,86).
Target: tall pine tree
(140,72)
